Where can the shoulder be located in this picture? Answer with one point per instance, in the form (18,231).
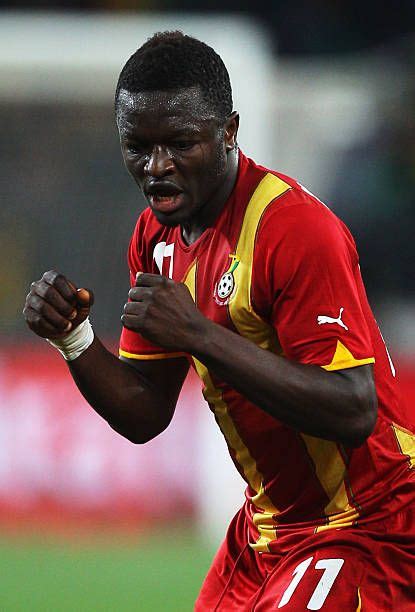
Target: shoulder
(301,218)
(281,212)
(279,202)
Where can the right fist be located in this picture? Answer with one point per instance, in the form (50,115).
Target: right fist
(54,306)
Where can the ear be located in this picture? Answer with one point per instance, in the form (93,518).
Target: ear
(231,131)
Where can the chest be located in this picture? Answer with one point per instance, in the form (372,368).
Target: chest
(219,277)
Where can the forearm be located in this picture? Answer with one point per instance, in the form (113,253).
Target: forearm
(338,406)
(129,403)
(306,397)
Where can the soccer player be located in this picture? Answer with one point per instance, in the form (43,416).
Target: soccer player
(241,272)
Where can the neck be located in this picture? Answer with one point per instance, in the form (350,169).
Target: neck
(209,212)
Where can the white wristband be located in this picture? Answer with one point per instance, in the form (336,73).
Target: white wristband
(76,342)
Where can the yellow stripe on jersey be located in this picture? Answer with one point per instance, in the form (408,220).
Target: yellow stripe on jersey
(328,462)
(246,321)
(189,279)
(153,356)
(406,442)
(264,519)
(251,326)
(359,601)
(330,470)
(343,359)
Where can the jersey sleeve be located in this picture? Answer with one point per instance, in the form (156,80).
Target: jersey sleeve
(307,286)
(132,344)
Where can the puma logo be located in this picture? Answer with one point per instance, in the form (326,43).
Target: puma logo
(321,319)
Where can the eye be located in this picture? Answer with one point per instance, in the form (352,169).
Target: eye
(183,145)
(136,149)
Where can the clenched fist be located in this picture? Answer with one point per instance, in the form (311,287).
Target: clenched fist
(54,306)
(164,312)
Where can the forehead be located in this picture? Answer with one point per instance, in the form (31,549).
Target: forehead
(179,108)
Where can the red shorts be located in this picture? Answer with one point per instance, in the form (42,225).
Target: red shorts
(337,570)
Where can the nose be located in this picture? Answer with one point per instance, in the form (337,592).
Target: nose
(159,162)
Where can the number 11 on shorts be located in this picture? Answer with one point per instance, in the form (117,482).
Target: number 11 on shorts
(331,569)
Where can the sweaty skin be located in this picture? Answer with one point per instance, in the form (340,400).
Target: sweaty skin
(173,145)
(185,162)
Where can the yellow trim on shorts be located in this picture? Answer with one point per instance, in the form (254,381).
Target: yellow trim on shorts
(149,357)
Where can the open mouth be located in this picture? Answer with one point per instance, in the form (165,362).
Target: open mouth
(165,204)
(164,198)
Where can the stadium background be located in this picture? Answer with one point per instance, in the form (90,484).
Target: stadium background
(326,93)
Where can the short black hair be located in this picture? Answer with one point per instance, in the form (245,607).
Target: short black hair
(173,60)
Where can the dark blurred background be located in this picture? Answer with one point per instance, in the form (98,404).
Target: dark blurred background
(326,91)
(342,97)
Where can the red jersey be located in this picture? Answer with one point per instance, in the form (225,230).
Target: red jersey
(279,268)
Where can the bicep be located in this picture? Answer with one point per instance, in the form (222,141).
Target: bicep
(308,286)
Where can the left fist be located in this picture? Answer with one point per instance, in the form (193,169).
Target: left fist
(164,312)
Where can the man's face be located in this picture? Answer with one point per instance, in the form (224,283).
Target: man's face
(175,149)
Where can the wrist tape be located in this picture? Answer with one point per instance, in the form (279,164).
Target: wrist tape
(76,342)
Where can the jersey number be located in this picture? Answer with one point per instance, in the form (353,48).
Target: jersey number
(163,251)
(331,569)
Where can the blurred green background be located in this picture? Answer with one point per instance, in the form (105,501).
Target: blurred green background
(152,571)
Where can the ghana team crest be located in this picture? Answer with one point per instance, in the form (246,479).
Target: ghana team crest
(225,288)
